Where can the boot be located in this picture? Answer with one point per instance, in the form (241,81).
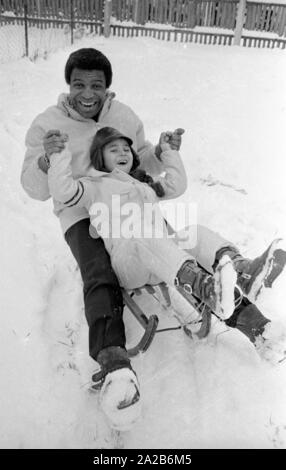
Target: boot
(119,393)
(271,344)
(248,319)
(216,291)
(268,337)
(261,272)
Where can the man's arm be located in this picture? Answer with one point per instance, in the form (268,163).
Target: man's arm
(174,181)
(150,155)
(146,152)
(33,176)
(40,145)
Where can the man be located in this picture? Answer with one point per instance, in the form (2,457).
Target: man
(76,118)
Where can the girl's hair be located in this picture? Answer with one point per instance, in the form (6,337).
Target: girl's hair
(108,134)
(142,176)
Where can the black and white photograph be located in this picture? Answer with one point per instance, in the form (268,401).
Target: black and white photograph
(143,227)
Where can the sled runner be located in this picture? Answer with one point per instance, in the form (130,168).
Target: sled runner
(150,324)
(199,328)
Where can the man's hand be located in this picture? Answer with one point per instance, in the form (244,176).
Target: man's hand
(173,139)
(54,142)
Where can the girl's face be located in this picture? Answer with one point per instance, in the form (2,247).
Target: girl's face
(117,154)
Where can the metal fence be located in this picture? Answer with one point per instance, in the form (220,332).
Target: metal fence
(34,28)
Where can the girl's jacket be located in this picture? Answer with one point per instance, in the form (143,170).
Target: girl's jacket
(81,132)
(115,201)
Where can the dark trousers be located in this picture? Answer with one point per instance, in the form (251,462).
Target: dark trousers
(102,294)
(248,319)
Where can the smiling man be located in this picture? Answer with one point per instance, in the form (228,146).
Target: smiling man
(78,115)
(88,92)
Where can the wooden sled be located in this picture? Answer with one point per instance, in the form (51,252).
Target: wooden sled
(203,324)
(150,324)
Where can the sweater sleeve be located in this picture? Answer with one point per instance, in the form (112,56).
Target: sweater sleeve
(66,190)
(146,152)
(33,179)
(174,181)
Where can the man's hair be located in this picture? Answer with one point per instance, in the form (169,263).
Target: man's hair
(88,59)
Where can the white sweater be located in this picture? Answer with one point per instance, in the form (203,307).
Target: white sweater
(101,189)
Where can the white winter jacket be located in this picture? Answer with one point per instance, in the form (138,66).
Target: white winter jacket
(81,132)
(99,191)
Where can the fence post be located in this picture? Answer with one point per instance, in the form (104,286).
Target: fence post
(72,21)
(240,17)
(39,7)
(136,11)
(26,28)
(107,16)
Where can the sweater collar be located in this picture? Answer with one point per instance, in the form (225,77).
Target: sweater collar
(65,105)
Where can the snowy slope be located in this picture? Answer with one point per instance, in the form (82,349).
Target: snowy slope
(215,393)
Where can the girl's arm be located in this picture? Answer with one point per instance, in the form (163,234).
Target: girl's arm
(62,185)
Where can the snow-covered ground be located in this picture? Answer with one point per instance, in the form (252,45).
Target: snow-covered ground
(216,393)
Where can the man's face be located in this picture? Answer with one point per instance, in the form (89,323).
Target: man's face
(87,91)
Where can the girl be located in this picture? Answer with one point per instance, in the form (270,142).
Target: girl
(145,255)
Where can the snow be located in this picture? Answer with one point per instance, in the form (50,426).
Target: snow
(211,393)
(124,389)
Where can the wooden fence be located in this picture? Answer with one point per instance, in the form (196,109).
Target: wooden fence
(267,17)
(182,16)
(173,34)
(198,37)
(178,13)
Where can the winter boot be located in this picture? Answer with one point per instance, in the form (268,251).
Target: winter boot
(216,291)
(271,344)
(268,337)
(119,393)
(253,275)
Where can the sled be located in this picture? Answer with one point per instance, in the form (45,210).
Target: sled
(150,323)
(198,329)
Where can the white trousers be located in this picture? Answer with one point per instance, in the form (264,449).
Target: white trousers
(140,261)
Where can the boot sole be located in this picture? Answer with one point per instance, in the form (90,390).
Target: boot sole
(225,281)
